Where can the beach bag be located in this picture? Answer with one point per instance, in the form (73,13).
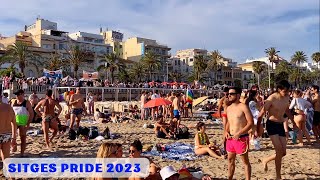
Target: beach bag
(93,132)
(72,134)
(106,133)
(183,133)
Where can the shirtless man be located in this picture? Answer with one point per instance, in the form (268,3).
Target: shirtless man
(161,128)
(239,122)
(77,108)
(49,117)
(277,105)
(223,104)
(176,110)
(316,116)
(8,129)
(24,115)
(171,98)
(143,100)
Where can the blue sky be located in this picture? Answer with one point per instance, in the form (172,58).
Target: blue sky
(239,29)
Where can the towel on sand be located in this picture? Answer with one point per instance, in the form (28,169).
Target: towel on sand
(176,151)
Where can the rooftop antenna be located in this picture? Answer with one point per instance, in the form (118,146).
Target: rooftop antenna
(100,29)
(38,17)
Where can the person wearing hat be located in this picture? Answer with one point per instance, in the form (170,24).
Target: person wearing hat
(168,173)
(7,129)
(24,114)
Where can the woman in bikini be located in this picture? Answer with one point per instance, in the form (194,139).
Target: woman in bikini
(202,144)
(300,106)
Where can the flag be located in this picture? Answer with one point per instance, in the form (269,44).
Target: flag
(189,96)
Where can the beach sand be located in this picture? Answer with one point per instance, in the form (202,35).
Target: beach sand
(299,163)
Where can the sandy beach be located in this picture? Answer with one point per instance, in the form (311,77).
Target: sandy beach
(299,163)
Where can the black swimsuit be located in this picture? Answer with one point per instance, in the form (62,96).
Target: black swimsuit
(275,128)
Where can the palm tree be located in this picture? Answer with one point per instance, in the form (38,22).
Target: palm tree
(123,75)
(258,68)
(175,76)
(298,58)
(54,62)
(137,71)
(316,58)
(19,53)
(272,55)
(76,57)
(111,62)
(151,62)
(283,70)
(214,62)
(200,66)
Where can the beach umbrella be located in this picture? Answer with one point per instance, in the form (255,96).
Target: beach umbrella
(199,100)
(157,102)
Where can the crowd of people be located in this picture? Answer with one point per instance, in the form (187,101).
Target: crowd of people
(246,116)
(24,83)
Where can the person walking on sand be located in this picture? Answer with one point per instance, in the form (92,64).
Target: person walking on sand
(49,117)
(143,100)
(239,122)
(277,105)
(77,108)
(8,129)
(24,115)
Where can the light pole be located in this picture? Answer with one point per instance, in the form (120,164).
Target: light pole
(167,71)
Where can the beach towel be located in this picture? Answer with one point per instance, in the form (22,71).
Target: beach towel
(177,151)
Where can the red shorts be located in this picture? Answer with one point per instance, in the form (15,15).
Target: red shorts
(224,115)
(239,146)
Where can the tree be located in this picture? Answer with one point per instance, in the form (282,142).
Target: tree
(76,57)
(151,62)
(200,66)
(272,55)
(298,58)
(54,62)
(123,75)
(214,63)
(19,53)
(175,76)
(137,71)
(316,58)
(111,62)
(258,68)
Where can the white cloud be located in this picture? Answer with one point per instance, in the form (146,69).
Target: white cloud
(239,29)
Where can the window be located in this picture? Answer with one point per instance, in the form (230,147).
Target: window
(47,46)
(191,59)
(184,61)
(61,46)
(175,62)
(120,46)
(179,63)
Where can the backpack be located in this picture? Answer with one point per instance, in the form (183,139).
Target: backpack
(183,133)
(106,133)
(72,134)
(93,132)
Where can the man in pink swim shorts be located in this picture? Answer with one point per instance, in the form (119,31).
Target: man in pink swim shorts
(239,122)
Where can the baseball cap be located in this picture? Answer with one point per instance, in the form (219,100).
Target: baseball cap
(167,172)
(18,92)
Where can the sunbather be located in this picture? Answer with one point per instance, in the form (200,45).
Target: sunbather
(202,144)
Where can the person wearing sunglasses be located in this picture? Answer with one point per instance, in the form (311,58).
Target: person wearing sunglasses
(135,151)
(239,122)
(277,104)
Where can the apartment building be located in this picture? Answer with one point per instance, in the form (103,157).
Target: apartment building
(44,38)
(115,39)
(135,48)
